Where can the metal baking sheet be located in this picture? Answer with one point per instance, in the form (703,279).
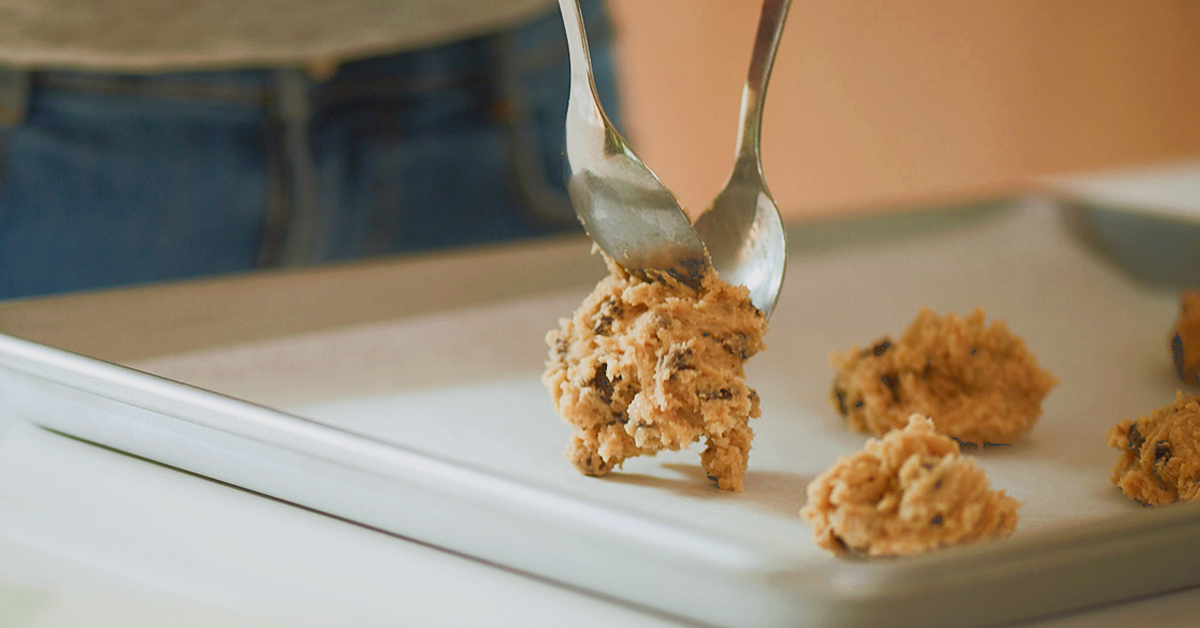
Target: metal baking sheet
(435,426)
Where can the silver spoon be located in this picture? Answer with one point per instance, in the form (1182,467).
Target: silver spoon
(742,228)
(623,206)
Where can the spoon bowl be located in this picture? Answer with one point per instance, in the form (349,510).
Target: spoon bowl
(742,228)
(623,206)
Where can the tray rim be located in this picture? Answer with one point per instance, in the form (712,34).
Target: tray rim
(844,592)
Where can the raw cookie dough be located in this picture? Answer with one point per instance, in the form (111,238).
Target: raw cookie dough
(979,384)
(904,494)
(1160,453)
(650,365)
(1185,343)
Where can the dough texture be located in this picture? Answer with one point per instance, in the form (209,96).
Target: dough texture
(650,365)
(1160,453)
(1185,343)
(979,383)
(907,493)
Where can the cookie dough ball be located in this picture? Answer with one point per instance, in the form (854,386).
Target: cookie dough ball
(907,493)
(1185,343)
(644,366)
(978,383)
(1160,453)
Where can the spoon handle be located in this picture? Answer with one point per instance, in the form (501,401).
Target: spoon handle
(583,86)
(754,94)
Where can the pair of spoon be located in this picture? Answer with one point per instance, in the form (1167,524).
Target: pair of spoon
(636,220)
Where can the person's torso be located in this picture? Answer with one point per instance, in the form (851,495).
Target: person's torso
(172,35)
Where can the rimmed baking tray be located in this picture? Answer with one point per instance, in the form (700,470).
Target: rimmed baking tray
(431,423)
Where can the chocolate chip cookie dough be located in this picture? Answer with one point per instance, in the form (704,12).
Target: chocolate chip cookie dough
(907,493)
(1160,453)
(979,383)
(650,365)
(1185,343)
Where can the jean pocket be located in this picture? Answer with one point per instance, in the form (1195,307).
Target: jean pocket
(14,103)
(536,86)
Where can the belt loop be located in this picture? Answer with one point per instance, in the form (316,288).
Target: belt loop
(306,233)
(14,95)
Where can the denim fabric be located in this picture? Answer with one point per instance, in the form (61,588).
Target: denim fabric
(120,179)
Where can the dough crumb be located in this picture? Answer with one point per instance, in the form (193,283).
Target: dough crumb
(650,365)
(907,493)
(1160,453)
(979,383)
(1185,342)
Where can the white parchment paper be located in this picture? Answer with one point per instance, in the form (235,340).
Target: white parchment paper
(466,384)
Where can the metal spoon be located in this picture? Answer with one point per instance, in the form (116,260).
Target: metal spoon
(623,206)
(742,228)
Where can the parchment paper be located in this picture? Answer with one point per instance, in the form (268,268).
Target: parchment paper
(466,384)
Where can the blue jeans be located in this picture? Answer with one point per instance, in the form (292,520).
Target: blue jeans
(120,179)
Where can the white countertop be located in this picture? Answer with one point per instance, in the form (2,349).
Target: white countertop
(86,533)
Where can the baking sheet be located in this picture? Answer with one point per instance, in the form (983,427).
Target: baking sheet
(464,386)
(1147,219)
(1168,190)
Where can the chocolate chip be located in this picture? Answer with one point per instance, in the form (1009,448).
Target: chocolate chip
(1136,440)
(601,384)
(723,393)
(936,521)
(617,418)
(738,344)
(678,359)
(881,346)
(1180,365)
(595,465)
(561,345)
(841,397)
(1162,451)
(892,382)
(606,315)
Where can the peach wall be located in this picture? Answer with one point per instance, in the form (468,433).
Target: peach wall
(884,102)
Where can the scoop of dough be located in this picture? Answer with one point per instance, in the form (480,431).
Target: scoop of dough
(1160,453)
(907,493)
(980,384)
(650,365)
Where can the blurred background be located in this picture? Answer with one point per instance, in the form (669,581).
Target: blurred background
(876,104)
